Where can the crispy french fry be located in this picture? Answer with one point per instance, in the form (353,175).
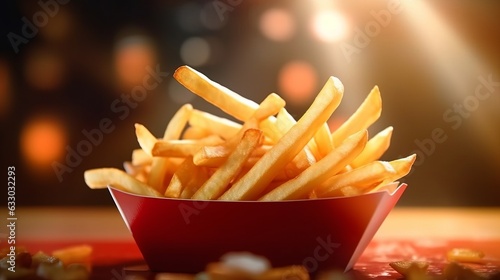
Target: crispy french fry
(104,177)
(223,127)
(328,166)
(185,176)
(366,114)
(375,148)
(411,269)
(465,255)
(323,140)
(362,177)
(139,157)
(401,168)
(145,138)
(220,180)
(194,132)
(183,148)
(173,131)
(77,254)
(220,96)
(251,185)
(215,156)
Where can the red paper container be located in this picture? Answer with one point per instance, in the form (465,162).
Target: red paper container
(180,235)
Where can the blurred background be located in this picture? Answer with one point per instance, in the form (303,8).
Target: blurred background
(76,75)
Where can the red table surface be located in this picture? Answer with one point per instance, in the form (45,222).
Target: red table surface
(115,260)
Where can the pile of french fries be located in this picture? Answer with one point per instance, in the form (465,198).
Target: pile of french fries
(265,155)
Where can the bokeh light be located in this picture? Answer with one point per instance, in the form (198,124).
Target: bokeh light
(297,81)
(195,51)
(43,141)
(133,55)
(329,26)
(277,24)
(44,70)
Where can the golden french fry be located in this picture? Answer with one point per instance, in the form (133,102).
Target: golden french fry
(173,131)
(366,114)
(139,157)
(181,178)
(215,156)
(375,148)
(251,185)
(77,254)
(220,180)
(411,269)
(323,140)
(220,96)
(305,182)
(465,255)
(104,177)
(145,138)
(199,176)
(194,132)
(401,168)
(223,127)
(139,172)
(183,148)
(362,177)
(267,108)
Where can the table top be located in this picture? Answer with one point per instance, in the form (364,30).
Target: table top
(407,233)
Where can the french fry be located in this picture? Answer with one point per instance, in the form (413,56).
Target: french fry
(223,127)
(139,157)
(145,138)
(181,178)
(401,168)
(77,254)
(465,255)
(104,177)
(193,132)
(215,156)
(173,131)
(262,173)
(362,177)
(270,106)
(220,96)
(366,114)
(328,166)
(183,148)
(412,269)
(220,180)
(375,148)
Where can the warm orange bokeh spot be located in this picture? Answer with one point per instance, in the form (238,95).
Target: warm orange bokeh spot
(133,55)
(277,24)
(42,142)
(297,81)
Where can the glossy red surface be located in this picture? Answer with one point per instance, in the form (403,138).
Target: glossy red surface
(184,235)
